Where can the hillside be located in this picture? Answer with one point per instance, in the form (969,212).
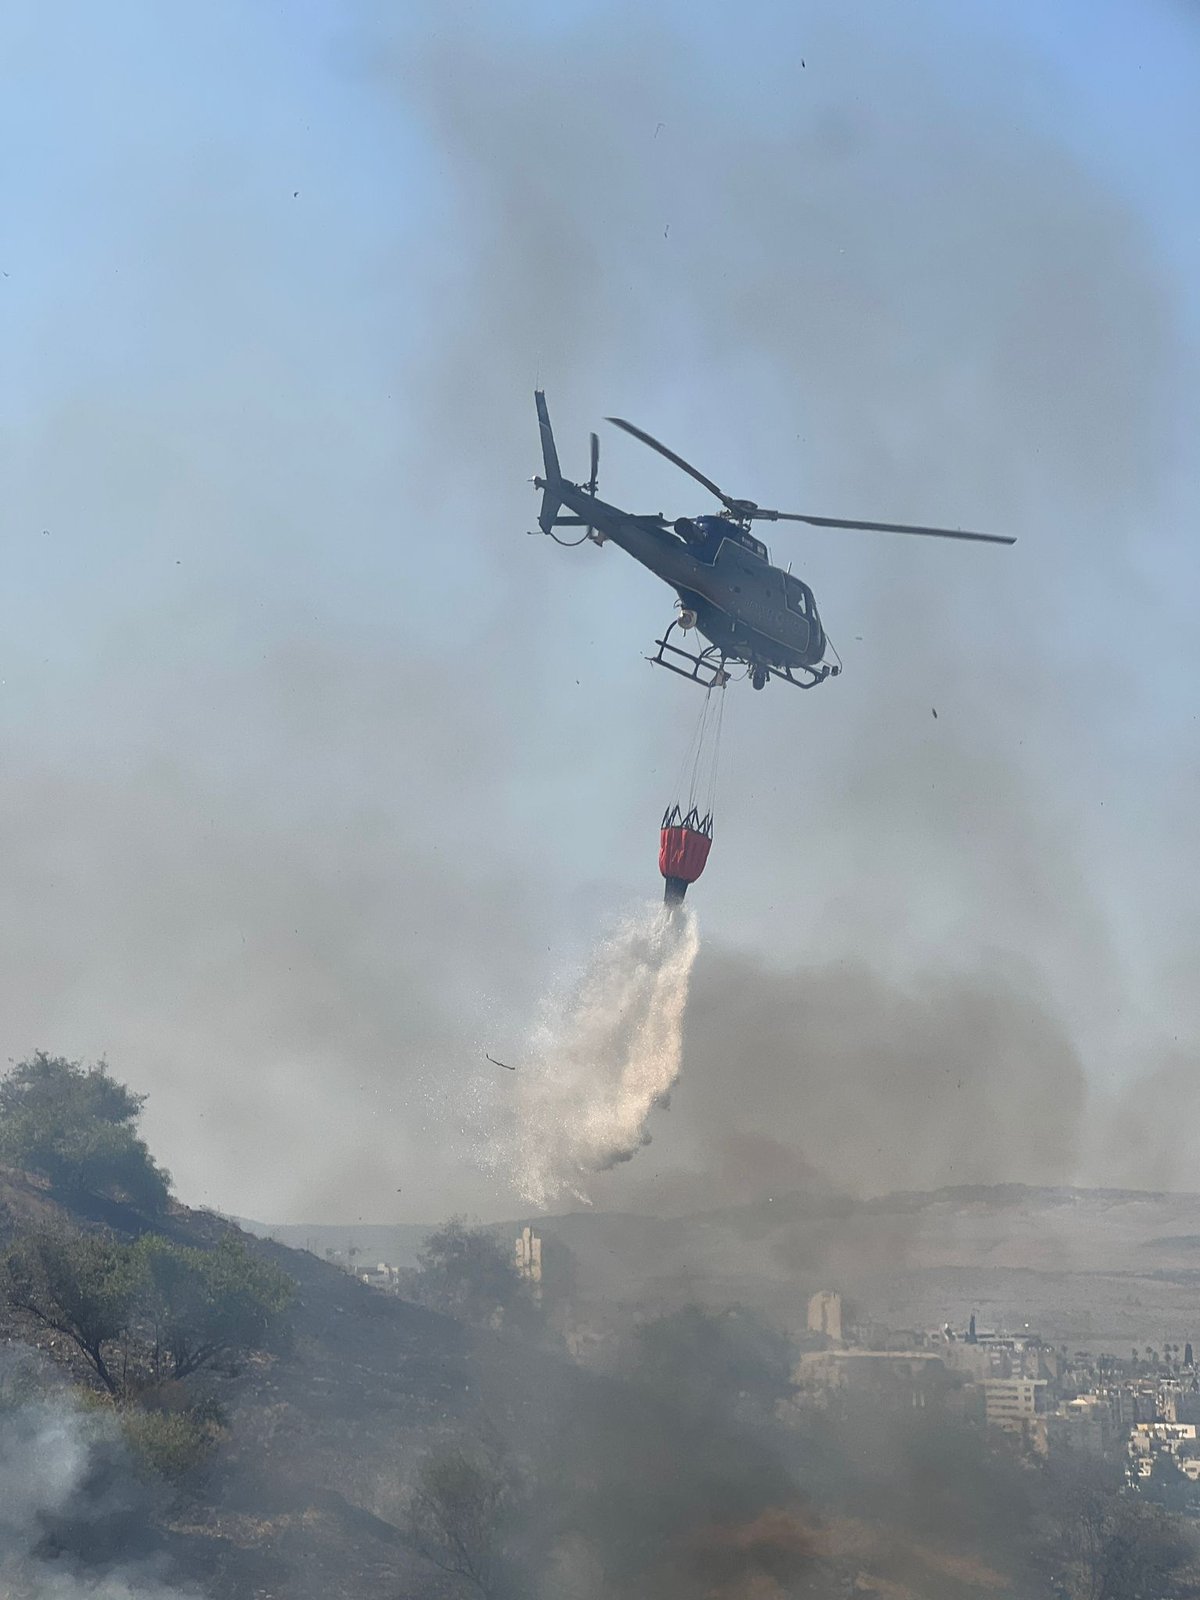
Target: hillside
(306,1498)
(298,1503)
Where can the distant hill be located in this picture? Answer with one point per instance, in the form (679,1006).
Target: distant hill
(395,1243)
(1110,1267)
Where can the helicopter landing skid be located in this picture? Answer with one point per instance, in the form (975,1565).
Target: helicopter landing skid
(812,676)
(707,668)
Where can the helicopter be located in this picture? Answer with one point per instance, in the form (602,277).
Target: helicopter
(750,612)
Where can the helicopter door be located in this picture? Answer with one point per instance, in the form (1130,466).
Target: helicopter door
(738,562)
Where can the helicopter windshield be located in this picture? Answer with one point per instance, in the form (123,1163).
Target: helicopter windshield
(703,534)
(799,597)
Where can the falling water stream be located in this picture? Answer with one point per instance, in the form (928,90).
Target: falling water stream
(606,1050)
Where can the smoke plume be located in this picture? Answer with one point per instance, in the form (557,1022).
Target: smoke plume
(73,1515)
(863,1084)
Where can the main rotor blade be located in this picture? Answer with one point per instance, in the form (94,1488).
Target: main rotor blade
(684,466)
(760,515)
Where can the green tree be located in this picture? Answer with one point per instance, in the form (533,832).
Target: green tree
(1112,1545)
(84,1286)
(207,1306)
(77,1127)
(171,1309)
(467,1273)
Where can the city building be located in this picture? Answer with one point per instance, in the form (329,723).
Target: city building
(980,1354)
(1148,1438)
(825,1315)
(382,1277)
(528,1255)
(1087,1424)
(1016,1406)
(1087,1403)
(1179,1405)
(894,1379)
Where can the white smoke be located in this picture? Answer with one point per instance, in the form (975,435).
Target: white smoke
(607,1049)
(65,1479)
(574,1571)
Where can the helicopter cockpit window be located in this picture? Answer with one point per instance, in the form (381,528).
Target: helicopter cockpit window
(707,535)
(799,596)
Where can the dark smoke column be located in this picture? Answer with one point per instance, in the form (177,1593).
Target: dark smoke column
(683,851)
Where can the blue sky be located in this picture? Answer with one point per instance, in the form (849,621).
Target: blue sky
(317,771)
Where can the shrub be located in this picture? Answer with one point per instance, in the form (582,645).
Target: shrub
(170,1444)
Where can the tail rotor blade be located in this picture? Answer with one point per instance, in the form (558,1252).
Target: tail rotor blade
(594,479)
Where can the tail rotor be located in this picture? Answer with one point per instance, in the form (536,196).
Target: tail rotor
(554,486)
(593,482)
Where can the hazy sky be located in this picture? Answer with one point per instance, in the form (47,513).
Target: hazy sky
(316,772)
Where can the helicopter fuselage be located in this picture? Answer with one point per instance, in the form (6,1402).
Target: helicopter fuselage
(750,610)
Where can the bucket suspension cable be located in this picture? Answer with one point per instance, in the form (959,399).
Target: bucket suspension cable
(709,767)
(685,774)
(697,775)
(687,825)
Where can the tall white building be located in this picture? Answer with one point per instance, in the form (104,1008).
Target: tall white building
(529,1258)
(825,1314)
(1014,1404)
